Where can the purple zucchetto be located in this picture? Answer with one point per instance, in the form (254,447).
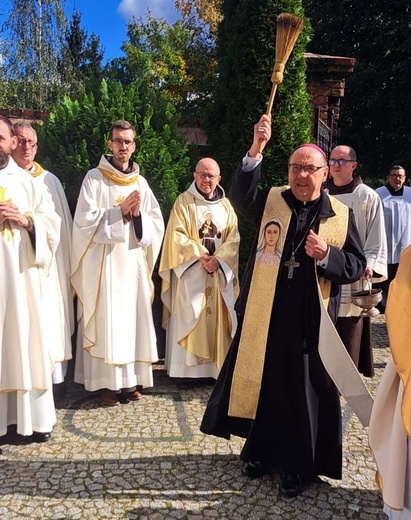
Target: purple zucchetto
(311,145)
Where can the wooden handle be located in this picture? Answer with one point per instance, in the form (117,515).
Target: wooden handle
(271,99)
(269,107)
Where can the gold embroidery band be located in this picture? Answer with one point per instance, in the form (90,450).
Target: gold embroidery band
(248,371)
(333,353)
(119,180)
(6,230)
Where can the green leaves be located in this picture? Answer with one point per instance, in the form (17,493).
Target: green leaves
(33,37)
(74,137)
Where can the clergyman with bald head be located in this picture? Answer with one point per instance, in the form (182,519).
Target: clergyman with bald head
(198,267)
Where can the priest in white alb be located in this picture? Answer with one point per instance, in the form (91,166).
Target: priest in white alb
(117,234)
(29,237)
(57,291)
(198,267)
(354,329)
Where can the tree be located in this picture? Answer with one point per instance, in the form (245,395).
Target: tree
(81,57)
(373,117)
(204,15)
(246,50)
(173,59)
(74,137)
(30,50)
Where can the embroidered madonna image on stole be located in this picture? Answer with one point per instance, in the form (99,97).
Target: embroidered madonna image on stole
(270,242)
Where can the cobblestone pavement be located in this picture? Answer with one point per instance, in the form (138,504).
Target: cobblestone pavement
(148,460)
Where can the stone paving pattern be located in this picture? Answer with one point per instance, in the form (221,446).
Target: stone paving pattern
(148,460)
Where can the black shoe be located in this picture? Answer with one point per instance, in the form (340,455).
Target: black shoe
(290,485)
(13,438)
(40,437)
(254,469)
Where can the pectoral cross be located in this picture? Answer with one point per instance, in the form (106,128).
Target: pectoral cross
(291,264)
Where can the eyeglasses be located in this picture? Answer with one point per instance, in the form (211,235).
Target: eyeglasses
(309,168)
(27,142)
(207,176)
(397,175)
(123,142)
(340,162)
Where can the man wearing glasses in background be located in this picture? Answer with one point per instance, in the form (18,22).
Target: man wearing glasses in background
(354,330)
(58,294)
(29,237)
(199,266)
(117,233)
(396,201)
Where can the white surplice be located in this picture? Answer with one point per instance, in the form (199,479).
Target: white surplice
(112,269)
(397,214)
(26,397)
(57,289)
(369,217)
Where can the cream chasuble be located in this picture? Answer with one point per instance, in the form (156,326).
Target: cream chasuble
(198,311)
(248,371)
(26,363)
(112,272)
(57,291)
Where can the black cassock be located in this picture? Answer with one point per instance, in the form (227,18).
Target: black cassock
(297,427)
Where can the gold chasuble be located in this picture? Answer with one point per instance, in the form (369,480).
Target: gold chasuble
(246,384)
(198,311)
(398,314)
(390,426)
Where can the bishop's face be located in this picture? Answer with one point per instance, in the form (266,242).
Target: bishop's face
(307,171)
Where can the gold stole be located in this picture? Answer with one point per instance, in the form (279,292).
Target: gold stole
(38,170)
(119,180)
(247,377)
(6,229)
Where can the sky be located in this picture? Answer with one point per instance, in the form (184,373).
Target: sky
(108,18)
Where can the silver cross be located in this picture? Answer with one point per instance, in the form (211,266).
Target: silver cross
(291,264)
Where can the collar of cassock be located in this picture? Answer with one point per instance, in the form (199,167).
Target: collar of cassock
(218,193)
(394,192)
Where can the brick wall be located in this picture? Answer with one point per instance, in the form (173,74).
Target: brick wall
(326,85)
